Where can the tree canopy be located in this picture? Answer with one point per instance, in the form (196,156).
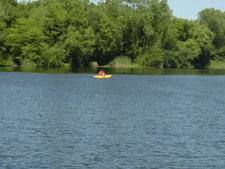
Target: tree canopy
(215,21)
(76,32)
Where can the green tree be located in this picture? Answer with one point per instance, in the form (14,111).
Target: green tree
(154,24)
(107,35)
(204,38)
(9,10)
(8,14)
(79,36)
(24,40)
(215,20)
(193,46)
(36,37)
(2,27)
(80,46)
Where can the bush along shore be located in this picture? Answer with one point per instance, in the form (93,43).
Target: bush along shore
(59,33)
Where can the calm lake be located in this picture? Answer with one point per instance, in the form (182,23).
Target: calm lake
(140,118)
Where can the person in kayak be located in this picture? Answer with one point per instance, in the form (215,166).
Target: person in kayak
(101,73)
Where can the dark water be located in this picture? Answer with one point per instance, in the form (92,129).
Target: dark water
(128,121)
(126,71)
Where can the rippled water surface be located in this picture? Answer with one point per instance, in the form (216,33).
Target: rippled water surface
(128,121)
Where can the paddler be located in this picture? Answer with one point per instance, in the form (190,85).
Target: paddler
(100,73)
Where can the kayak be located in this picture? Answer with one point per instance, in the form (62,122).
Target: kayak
(102,76)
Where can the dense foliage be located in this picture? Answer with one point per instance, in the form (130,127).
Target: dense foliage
(77,32)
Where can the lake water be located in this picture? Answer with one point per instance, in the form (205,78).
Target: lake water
(71,120)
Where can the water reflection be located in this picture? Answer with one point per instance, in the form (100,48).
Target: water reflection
(126,71)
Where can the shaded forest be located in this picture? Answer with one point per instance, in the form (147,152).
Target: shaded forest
(55,33)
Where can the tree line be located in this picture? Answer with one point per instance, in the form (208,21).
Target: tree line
(52,33)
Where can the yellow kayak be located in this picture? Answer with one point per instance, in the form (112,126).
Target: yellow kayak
(102,76)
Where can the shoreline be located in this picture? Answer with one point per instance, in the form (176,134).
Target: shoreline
(213,65)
